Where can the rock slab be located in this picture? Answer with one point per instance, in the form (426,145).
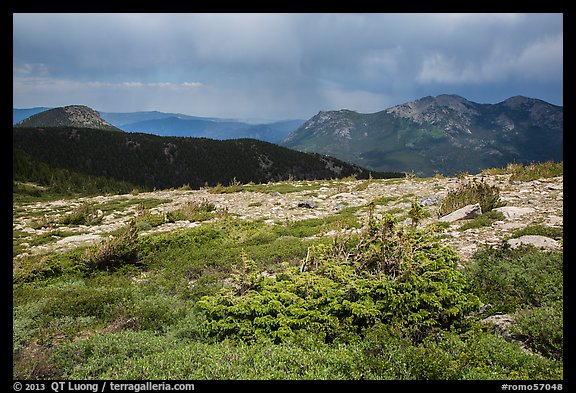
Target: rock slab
(465,213)
(512,212)
(535,240)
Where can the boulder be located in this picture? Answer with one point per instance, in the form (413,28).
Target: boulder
(465,213)
(555,221)
(501,324)
(535,240)
(309,204)
(513,212)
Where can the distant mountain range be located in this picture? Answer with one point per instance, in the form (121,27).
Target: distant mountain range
(446,134)
(21,114)
(176,124)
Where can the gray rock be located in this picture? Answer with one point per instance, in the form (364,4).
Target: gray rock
(309,204)
(427,201)
(512,225)
(555,221)
(465,213)
(339,207)
(501,324)
(79,239)
(513,212)
(535,240)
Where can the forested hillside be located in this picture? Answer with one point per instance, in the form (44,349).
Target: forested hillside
(151,161)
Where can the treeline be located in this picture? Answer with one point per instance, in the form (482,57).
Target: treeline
(58,181)
(150,161)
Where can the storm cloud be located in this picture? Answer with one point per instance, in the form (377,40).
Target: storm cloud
(279,66)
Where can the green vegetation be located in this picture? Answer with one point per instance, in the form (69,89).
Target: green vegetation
(234,186)
(238,299)
(534,171)
(483,220)
(417,213)
(143,161)
(114,252)
(268,188)
(385,200)
(341,289)
(195,211)
(82,215)
(471,192)
(34,180)
(528,284)
(541,230)
(511,279)
(542,328)
(233,299)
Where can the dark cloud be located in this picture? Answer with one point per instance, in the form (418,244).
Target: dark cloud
(282,65)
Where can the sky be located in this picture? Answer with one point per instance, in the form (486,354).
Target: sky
(281,66)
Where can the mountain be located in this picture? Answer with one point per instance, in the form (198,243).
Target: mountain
(446,134)
(121,119)
(68,116)
(152,161)
(169,124)
(208,128)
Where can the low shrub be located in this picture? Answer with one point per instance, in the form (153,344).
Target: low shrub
(194,211)
(511,279)
(542,329)
(483,220)
(541,230)
(417,213)
(85,301)
(234,186)
(114,252)
(84,214)
(339,289)
(470,193)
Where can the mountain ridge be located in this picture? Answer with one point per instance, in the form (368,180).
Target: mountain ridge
(446,134)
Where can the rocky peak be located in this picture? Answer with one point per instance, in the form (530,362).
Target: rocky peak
(422,109)
(450,111)
(336,123)
(541,113)
(518,102)
(79,116)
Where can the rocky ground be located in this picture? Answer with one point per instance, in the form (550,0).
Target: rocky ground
(538,202)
